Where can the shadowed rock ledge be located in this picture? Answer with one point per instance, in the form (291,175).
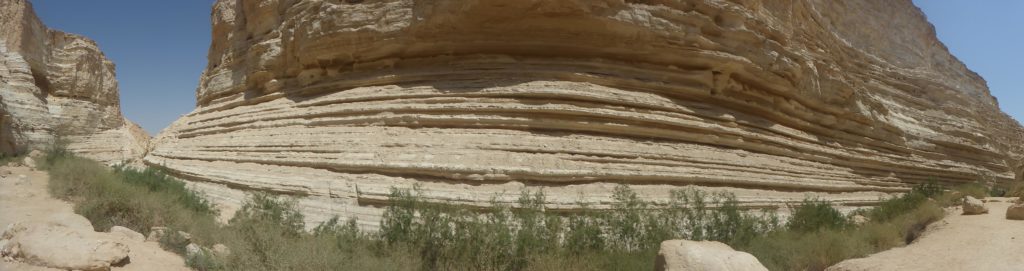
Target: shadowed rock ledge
(54,83)
(337,101)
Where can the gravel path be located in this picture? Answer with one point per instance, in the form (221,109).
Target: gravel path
(958,242)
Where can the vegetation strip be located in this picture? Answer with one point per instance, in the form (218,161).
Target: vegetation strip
(267,233)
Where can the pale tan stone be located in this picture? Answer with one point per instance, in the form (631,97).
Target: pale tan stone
(59,246)
(59,85)
(336,102)
(860,220)
(973,206)
(127,233)
(685,255)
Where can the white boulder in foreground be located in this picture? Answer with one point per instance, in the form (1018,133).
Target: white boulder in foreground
(59,246)
(684,255)
(973,206)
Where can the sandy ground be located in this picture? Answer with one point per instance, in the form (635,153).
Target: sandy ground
(958,242)
(27,200)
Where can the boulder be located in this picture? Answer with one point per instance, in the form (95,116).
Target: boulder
(127,233)
(35,154)
(1015,211)
(184,236)
(221,250)
(684,255)
(156,233)
(973,206)
(29,162)
(58,246)
(192,250)
(859,220)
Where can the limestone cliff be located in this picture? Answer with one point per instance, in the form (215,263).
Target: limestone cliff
(334,102)
(55,83)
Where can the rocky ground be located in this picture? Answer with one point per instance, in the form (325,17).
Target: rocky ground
(958,242)
(65,237)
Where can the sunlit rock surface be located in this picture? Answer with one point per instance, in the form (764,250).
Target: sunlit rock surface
(58,84)
(335,102)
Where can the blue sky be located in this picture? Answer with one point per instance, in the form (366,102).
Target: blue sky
(160,47)
(988,37)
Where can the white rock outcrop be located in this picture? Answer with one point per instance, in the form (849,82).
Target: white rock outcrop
(59,84)
(685,255)
(335,102)
(974,206)
(59,246)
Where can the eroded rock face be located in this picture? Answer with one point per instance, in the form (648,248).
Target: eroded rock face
(55,83)
(337,101)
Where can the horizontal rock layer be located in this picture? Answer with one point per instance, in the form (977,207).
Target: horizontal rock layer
(335,102)
(58,84)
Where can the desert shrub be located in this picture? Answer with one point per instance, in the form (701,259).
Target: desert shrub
(1015,190)
(344,232)
(157,181)
(818,236)
(976,190)
(527,237)
(7,159)
(268,233)
(264,208)
(814,214)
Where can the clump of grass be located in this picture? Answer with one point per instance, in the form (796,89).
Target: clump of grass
(818,236)
(814,214)
(117,197)
(266,234)
(976,190)
(1015,190)
(7,159)
(526,236)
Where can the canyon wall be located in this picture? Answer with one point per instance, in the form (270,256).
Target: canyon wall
(335,102)
(54,84)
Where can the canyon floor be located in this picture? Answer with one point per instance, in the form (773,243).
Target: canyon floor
(24,198)
(957,242)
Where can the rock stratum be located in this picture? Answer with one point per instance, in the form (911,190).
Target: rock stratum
(335,102)
(59,84)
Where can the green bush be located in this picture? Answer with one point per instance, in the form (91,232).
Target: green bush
(976,190)
(1015,190)
(7,159)
(813,215)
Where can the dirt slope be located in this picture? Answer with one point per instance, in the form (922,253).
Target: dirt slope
(27,200)
(958,242)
